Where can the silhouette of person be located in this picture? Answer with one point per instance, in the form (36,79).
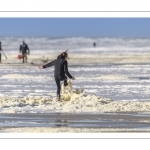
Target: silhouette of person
(0,53)
(23,49)
(94,44)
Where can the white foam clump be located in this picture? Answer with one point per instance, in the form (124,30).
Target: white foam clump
(71,101)
(68,93)
(35,100)
(77,103)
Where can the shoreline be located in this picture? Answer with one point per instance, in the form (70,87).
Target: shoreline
(80,123)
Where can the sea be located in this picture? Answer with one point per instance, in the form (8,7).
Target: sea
(113,45)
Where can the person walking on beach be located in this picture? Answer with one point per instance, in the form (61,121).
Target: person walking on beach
(94,44)
(0,53)
(60,71)
(23,49)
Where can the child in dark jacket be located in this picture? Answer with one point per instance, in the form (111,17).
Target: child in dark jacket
(60,71)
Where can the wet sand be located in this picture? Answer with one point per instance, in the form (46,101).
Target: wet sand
(82,59)
(69,122)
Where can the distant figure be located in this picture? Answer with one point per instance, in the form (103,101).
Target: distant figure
(94,44)
(0,52)
(23,49)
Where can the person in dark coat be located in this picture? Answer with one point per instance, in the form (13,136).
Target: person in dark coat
(60,71)
(0,53)
(23,49)
(94,44)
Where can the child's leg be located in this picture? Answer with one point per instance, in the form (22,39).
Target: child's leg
(58,86)
(65,82)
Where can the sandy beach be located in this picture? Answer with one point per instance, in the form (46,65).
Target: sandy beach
(112,84)
(82,59)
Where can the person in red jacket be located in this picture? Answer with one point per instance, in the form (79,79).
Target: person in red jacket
(60,71)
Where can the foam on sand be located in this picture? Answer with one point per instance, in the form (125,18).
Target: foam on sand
(75,103)
(71,101)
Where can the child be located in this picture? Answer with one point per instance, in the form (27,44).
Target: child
(60,71)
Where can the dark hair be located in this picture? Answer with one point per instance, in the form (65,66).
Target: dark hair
(64,54)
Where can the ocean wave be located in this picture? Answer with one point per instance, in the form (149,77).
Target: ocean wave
(83,44)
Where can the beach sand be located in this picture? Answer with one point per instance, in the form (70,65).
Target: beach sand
(82,59)
(72,130)
(78,102)
(75,122)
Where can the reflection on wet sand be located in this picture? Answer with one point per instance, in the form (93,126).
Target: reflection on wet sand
(13,122)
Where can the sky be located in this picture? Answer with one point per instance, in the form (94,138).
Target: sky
(76,27)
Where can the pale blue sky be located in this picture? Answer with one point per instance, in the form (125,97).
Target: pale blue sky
(70,27)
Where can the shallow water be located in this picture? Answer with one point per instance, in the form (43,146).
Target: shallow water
(103,120)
